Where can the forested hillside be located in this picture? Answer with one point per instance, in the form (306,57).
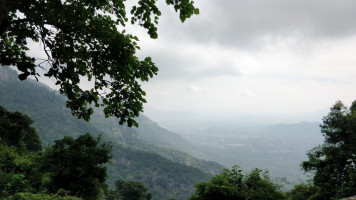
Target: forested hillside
(148,135)
(167,173)
(45,106)
(166,178)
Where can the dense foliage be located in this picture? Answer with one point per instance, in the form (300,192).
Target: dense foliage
(73,166)
(303,192)
(334,162)
(19,144)
(16,130)
(30,196)
(83,38)
(129,190)
(77,166)
(18,171)
(235,185)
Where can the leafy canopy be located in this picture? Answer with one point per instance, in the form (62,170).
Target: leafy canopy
(303,191)
(235,185)
(27,196)
(334,162)
(77,166)
(19,148)
(70,167)
(129,190)
(16,131)
(85,38)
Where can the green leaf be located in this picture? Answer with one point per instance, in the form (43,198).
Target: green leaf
(22,77)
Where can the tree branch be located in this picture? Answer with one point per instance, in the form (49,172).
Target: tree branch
(5,6)
(18,21)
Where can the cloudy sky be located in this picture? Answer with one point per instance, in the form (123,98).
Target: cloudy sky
(278,59)
(252,61)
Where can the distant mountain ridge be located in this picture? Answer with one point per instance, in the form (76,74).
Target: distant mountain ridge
(280,148)
(299,130)
(168,174)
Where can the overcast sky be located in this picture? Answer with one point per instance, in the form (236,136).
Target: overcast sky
(267,61)
(283,58)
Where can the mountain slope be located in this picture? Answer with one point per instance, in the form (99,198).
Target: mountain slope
(151,132)
(45,106)
(166,179)
(134,138)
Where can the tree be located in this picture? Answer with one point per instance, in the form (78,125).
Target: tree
(85,38)
(19,145)
(27,196)
(16,130)
(334,162)
(70,166)
(234,185)
(77,166)
(303,192)
(129,190)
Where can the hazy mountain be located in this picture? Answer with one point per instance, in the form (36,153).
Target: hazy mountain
(279,148)
(170,177)
(45,106)
(152,138)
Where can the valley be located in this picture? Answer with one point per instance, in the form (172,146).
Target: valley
(169,163)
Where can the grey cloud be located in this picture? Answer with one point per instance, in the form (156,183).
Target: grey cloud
(240,22)
(172,66)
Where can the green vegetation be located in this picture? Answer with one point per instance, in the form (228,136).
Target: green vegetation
(85,39)
(129,190)
(303,192)
(235,185)
(73,167)
(22,170)
(30,196)
(18,155)
(136,139)
(29,172)
(16,131)
(76,165)
(165,177)
(334,162)
(52,119)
